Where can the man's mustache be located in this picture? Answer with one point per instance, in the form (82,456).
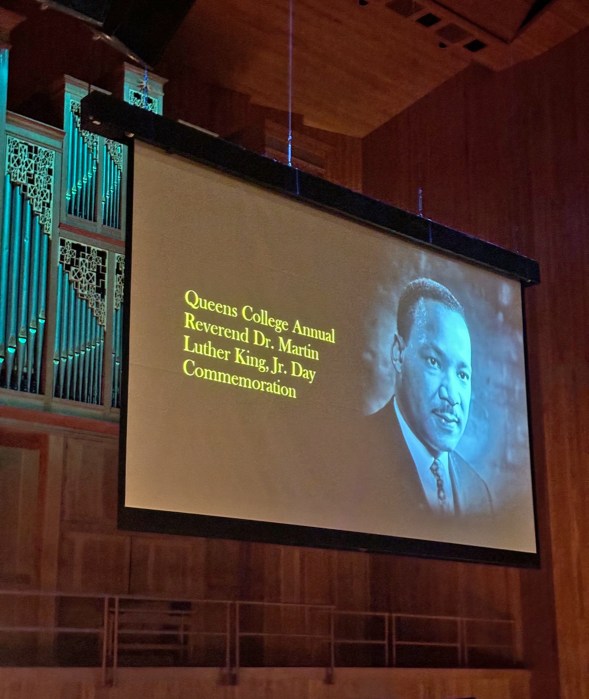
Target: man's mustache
(454,415)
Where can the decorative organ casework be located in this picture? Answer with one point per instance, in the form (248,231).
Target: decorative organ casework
(113,168)
(81,188)
(143,89)
(95,173)
(94,182)
(80,321)
(75,182)
(31,178)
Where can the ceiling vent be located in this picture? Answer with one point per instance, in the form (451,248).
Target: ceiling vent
(446,31)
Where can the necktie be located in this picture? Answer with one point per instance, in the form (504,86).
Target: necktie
(435,469)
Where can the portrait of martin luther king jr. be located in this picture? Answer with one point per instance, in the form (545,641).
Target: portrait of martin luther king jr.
(428,413)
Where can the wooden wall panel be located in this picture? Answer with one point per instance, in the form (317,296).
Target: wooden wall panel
(24,484)
(94,563)
(19,514)
(90,484)
(93,557)
(16,648)
(49,536)
(351,579)
(167,566)
(504,156)
(440,587)
(222,569)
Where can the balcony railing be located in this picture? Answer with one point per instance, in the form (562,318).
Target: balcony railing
(110,631)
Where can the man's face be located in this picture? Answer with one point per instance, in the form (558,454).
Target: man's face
(433,375)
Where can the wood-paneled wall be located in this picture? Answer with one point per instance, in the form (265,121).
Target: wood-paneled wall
(65,490)
(504,156)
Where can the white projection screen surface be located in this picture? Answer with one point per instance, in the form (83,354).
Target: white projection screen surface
(268,381)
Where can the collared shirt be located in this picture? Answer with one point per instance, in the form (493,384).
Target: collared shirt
(423,459)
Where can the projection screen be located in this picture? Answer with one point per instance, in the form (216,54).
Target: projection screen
(272,394)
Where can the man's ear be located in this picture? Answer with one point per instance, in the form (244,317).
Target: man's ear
(397,352)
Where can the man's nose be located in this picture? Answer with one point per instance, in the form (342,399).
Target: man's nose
(449,390)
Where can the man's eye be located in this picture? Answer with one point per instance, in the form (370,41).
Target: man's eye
(432,361)
(463,376)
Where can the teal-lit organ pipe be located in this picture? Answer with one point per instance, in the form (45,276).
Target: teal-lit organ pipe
(118,198)
(105,183)
(83,212)
(60,356)
(111,190)
(78,182)
(81,176)
(106,205)
(61,336)
(13,271)
(77,350)
(79,145)
(88,181)
(57,338)
(74,356)
(79,340)
(109,167)
(113,196)
(62,330)
(23,283)
(73,174)
(70,161)
(13,279)
(23,289)
(97,368)
(86,345)
(42,304)
(70,339)
(100,362)
(92,169)
(5,254)
(116,363)
(91,360)
(78,387)
(81,352)
(32,320)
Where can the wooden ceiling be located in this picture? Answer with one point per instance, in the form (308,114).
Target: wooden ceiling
(347,66)
(355,66)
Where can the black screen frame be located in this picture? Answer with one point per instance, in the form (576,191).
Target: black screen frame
(117,120)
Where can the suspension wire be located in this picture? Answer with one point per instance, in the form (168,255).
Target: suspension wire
(290,80)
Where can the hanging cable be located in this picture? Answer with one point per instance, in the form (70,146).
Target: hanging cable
(290,80)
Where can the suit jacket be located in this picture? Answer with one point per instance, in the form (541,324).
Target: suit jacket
(471,495)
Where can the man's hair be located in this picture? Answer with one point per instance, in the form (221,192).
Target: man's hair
(416,290)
